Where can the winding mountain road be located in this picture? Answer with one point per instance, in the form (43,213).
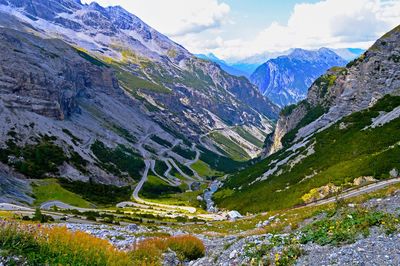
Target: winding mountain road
(61,205)
(138,187)
(188,164)
(149,165)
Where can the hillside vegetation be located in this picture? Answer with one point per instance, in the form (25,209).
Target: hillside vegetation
(344,151)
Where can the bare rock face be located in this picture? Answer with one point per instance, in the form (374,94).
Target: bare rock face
(48,88)
(342,91)
(363,180)
(285,124)
(34,77)
(13,187)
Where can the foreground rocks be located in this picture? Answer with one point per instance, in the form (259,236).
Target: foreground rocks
(11,260)
(376,249)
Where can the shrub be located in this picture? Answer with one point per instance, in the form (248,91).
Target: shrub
(155,188)
(40,159)
(289,255)
(42,218)
(185,153)
(287,110)
(90,58)
(340,155)
(186,247)
(220,163)
(161,141)
(120,159)
(97,193)
(347,227)
(312,114)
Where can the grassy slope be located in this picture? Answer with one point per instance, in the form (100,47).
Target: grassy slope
(232,148)
(155,187)
(247,136)
(187,198)
(204,169)
(340,156)
(50,189)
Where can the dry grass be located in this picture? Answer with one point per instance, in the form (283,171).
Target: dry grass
(58,246)
(44,245)
(149,251)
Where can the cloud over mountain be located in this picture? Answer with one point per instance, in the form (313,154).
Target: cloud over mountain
(176,17)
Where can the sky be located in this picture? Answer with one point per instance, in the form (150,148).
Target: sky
(238,29)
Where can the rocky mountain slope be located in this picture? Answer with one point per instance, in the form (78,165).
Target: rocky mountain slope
(344,131)
(224,65)
(286,79)
(90,89)
(168,75)
(342,91)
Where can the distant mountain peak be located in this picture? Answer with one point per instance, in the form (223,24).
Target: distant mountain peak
(285,79)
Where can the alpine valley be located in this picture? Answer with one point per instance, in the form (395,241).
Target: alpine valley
(120,147)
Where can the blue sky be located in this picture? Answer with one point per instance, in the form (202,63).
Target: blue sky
(238,29)
(255,15)
(260,13)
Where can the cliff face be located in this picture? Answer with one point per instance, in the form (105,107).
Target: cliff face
(47,77)
(342,91)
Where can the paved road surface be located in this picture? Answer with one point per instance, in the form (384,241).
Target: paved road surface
(61,205)
(358,191)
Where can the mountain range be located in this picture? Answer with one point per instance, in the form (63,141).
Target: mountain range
(286,79)
(85,74)
(247,66)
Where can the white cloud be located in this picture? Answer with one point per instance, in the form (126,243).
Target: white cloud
(176,17)
(331,23)
(200,25)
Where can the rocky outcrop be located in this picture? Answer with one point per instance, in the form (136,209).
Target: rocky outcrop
(14,188)
(342,91)
(320,193)
(286,123)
